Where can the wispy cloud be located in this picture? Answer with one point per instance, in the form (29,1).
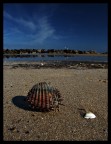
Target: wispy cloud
(39,31)
(29,24)
(7,15)
(45,30)
(12,32)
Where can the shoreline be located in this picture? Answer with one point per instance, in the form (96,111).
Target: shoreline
(66,54)
(57,64)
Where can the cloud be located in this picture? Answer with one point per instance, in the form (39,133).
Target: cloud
(12,32)
(7,15)
(29,24)
(45,30)
(37,32)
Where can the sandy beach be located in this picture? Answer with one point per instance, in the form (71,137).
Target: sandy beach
(81,89)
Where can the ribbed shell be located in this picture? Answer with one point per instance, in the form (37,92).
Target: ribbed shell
(43,97)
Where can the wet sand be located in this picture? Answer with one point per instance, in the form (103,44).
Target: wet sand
(82,89)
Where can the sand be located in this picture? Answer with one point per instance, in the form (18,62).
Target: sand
(81,89)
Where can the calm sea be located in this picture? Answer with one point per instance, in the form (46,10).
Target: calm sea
(45,57)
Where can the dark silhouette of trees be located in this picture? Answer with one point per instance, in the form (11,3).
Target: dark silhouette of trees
(43,51)
(37,51)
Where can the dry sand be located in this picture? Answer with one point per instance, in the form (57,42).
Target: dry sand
(82,89)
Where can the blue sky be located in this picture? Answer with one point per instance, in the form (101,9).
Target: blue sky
(56,25)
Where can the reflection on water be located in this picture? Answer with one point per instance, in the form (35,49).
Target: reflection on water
(48,57)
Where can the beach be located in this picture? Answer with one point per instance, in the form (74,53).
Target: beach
(82,88)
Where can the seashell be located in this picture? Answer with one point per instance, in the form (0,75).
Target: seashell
(89,115)
(43,97)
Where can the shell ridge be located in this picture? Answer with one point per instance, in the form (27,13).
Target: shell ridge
(44,97)
(36,97)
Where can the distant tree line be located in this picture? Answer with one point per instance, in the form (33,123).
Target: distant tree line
(37,51)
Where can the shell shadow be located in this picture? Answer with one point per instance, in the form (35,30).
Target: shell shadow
(19,102)
(82,112)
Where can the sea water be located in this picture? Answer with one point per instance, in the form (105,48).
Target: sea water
(46,57)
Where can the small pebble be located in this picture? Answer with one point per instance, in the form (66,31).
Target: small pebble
(33,115)
(26,132)
(18,120)
(104,81)
(17,131)
(12,129)
(42,64)
(38,136)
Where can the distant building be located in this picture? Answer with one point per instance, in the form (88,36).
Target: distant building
(39,50)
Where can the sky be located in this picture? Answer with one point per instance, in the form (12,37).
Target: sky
(78,26)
